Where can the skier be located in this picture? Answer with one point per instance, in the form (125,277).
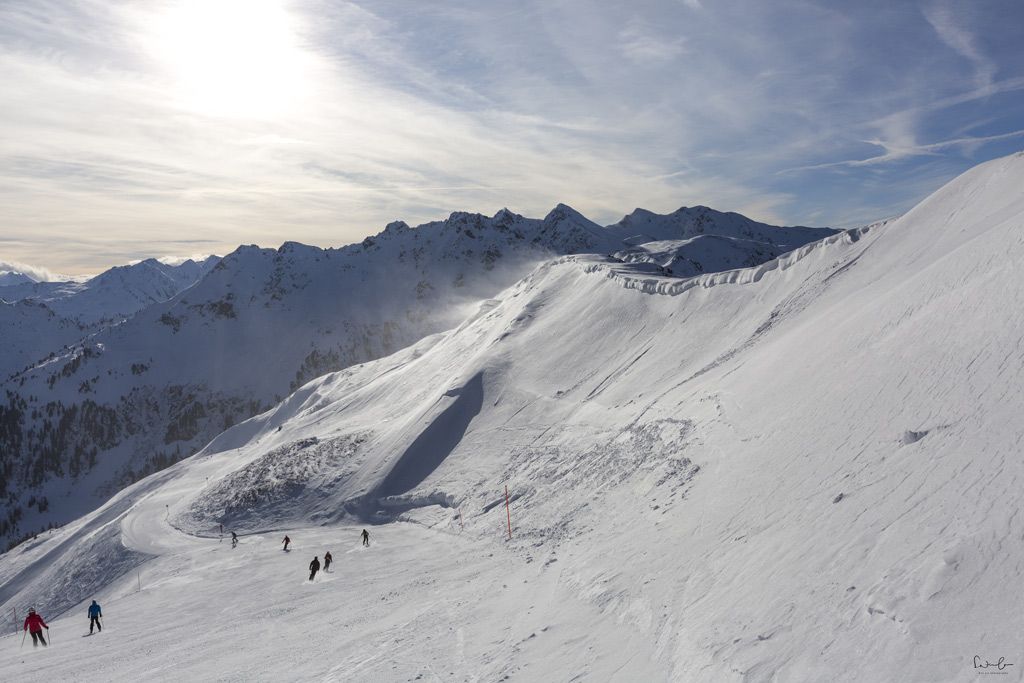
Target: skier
(94,617)
(327,561)
(314,567)
(34,624)
(286,542)
(366,538)
(234,539)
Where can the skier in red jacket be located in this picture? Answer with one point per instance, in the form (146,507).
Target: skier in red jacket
(34,624)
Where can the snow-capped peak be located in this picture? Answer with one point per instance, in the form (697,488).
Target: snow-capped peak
(12,277)
(199,356)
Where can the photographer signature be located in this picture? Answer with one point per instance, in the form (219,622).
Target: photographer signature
(998,665)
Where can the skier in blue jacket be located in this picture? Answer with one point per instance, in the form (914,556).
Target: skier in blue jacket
(94,616)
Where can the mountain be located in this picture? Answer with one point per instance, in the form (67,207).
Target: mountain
(135,397)
(804,470)
(704,254)
(39,320)
(689,222)
(27,328)
(114,294)
(696,240)
(11,277)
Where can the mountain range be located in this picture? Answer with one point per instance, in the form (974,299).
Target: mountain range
(120,376)
(804,469)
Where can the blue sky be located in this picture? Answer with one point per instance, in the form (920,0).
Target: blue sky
(185,127)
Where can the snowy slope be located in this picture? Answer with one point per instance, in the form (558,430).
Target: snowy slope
(38,320)
(29,331)
(138,396)
(805,470)
(12,277)
(702,254)
(689,222)
(114,294)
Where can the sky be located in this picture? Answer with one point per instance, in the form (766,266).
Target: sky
(187,127)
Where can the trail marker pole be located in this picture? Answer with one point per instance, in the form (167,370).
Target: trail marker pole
(508,513)
(138,574)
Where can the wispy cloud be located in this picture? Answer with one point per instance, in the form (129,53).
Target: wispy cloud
(897,151)
(119,143)
(948,24)
(641,45)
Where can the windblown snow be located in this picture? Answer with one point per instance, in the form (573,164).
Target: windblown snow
(94,401)
(804,470)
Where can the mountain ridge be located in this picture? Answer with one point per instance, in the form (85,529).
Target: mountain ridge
(167,379)
(803,470)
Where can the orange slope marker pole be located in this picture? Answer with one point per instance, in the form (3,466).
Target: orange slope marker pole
(508,513)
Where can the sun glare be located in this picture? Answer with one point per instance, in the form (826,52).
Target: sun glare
(237,58)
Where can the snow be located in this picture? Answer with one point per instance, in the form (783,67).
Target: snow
(114,294)
(139,394)
(12,277)
(39,320)
(805,470)
(384,622)
(25,326)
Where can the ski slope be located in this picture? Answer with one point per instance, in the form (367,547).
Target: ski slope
(805,470)
(88,412)
(460,610)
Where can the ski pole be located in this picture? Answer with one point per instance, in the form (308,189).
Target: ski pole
(23,639)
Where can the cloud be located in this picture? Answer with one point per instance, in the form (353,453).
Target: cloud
(641,46)
(178,260)
(119,145)
(1009,85)
(37,273)
(895,151)
(394,151)
(948,24)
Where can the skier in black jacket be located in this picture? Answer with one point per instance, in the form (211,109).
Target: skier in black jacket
(314,567)
(95,613)
(327,561)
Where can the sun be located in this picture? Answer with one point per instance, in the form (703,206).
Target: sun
(234,58)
